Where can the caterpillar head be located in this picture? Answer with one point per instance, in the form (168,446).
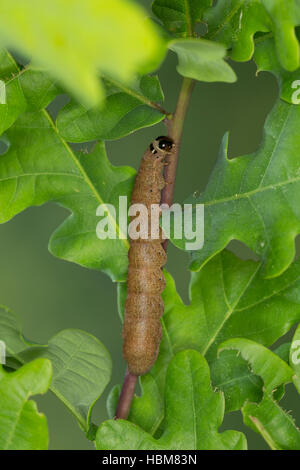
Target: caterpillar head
(162,146)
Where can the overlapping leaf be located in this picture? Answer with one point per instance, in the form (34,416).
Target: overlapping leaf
(235,22)
(267,417)
(75,40)
(267,60)
(22,427)
(180,16)
(12,100)
(125,110)
(255,198)
(229,298)
(81,364)
(193,426)
(22,90)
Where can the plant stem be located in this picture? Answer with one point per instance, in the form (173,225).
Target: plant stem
(175,127)
(174,130)
(126,395)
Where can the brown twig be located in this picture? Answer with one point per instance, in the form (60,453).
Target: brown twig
(126,395)
(174,130)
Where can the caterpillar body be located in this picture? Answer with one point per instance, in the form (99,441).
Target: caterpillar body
(145,281)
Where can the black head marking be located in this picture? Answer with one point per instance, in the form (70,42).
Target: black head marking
(152,149)
(165,143)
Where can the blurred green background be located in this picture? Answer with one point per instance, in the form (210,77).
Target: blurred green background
(50,294)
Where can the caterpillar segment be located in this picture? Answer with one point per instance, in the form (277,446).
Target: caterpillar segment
(145,282)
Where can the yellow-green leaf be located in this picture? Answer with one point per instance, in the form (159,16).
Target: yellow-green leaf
(77,39)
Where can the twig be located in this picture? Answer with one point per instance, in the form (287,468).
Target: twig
(174,129)
(126,395)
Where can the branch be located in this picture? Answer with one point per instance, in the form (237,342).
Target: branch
(174,130)
(126,395)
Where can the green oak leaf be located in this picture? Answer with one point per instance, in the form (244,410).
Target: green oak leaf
(267,417)
(235,22)
(40,167)
(283,351)
(11,332)
(202,60)
(98,36)
(12,101)
(267,60)
(26,89)
(81,364)
(254,198)
(229,297)
(38,87)
(193,426)
(294,358)
(22,427)
(125,110)
(274,424)
(180,16)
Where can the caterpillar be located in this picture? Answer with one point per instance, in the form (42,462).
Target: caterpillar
(145,281)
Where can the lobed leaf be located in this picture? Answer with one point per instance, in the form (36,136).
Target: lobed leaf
(267,417)
(194,426)
(76,40)
(22,427)
(266,59)
(273,370)
(235,22)
(254,198)
(40,167)
(26,89)
(228,298)
(12,101)
(81,364)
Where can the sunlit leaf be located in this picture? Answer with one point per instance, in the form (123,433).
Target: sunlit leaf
(75,40)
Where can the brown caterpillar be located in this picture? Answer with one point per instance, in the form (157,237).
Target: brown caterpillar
(145,281)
